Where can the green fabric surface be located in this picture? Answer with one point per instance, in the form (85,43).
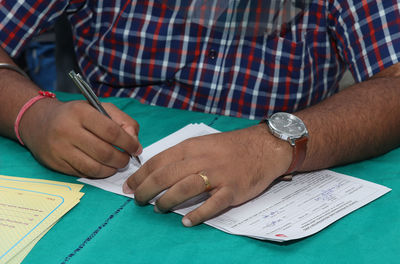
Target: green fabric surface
(107,228)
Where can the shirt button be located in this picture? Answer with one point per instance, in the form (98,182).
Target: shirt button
(212,54)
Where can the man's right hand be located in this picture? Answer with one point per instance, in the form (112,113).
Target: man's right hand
(76,139)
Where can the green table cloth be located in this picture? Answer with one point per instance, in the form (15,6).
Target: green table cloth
(108,228)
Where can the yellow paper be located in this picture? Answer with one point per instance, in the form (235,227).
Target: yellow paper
(33,184)
(28,209)
(19,257)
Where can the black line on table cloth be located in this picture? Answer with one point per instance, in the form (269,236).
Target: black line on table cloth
(213,121)
(105,223)
(95,232)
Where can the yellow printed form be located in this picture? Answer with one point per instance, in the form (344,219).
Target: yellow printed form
(28,209)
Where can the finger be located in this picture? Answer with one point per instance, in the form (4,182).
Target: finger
(109,131)
(161,179)
(221,200)
(100,150)
(164,159)
(183,190)
(84,166)
(126,122)
(189,147)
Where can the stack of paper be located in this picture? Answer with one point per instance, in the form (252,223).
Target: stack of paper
(28,209)
(286,211)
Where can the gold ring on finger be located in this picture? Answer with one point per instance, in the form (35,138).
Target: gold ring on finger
(205,179)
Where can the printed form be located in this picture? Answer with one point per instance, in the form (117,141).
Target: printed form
(285,211)
(28,209)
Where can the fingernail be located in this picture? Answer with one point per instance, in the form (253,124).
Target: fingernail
(139,150)
(126,189)
(131,132)
(186,222)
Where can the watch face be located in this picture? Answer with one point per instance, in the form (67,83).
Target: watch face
(286,125)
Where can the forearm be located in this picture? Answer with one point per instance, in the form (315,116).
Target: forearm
(359,122)
(15,91)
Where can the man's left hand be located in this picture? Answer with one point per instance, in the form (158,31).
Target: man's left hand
(239,165)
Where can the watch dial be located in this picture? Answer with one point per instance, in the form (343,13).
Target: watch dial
(287,124)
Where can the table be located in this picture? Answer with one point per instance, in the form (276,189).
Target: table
(108,228)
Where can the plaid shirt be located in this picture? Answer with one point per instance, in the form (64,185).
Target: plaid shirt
(143,49)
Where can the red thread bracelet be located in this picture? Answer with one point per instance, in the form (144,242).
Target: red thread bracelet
(27,105)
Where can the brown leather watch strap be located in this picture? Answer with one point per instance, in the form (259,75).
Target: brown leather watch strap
(299,154)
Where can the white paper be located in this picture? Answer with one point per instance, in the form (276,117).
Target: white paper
(285,211)
(114,183)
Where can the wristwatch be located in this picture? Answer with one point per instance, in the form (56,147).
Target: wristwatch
(292,129)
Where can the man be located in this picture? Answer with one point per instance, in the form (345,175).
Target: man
(159,53)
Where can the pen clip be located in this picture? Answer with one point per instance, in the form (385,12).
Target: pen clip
(87,91)
(78,79)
